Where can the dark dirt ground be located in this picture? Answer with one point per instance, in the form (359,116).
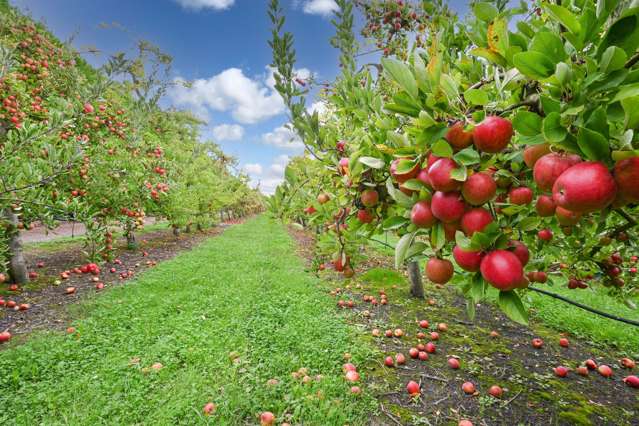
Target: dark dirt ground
(533,395)
(48,310)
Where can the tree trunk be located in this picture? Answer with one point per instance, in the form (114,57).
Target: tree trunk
(17,264)
(415,277)
(131,243)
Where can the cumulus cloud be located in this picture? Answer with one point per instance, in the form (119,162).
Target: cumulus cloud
(284,138)
(320,7)
(268,178)
(249,100)
(206,4)
(228,132)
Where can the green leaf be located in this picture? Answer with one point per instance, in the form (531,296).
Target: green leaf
(631,110)
(401,74)
(476,97)
(529,223)
(550,45)
(438,236)
(627,91)
(612,59)
(463,241)
(485,11)
(527,123)
(394,222)
(534,64)
(552,129)
(372,162)
(489,55)
(624,33)
(414,184)
(441,148)
(477,289)
(510,303)
(565,17)
(402,248)
(425,120)
(415,249)
(598,121)
(563,73)
(459,174)
(405,166)
(467,157)
(593,144)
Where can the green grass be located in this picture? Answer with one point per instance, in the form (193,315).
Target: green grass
(244,291)
(579,322)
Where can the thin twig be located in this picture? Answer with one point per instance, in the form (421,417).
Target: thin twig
(434,378)
(513,398)
(389,415)
(633,60)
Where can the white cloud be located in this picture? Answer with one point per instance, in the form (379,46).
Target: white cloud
(203,4)
(228,132)
(268,178)
(319,107)
(320,7)
(248,100)
(253,169)
(284,138)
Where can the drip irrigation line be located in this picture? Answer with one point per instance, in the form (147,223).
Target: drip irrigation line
(584,307)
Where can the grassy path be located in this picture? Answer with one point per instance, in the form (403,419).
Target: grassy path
(244,292)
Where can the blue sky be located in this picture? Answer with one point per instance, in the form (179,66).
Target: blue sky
(220,46)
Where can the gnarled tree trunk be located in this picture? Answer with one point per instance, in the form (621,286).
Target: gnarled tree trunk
(415,277)
(17,264)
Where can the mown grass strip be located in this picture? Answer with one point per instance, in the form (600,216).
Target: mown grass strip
(244,291)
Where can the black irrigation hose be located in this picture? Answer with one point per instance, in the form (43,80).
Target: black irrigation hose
(587,308)
(562,298)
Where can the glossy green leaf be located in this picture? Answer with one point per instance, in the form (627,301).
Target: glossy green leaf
(527,123)
(552,129)
(510,303)
(402,75)
(593,144)
(534,64)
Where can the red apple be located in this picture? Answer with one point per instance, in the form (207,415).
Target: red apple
(520,196)
(545,206)
(352,376)
(502,269)
(563,342)
(545,235)
(632,381)
(421,215)
(585,187)
(591,364)
(413,388)
(534,153)
(439,271)
(5,336)
(479,188)
(423,324)
(458,137)
(431,348)
(495,391)
(582,371)
(560,371)
(537,343)
(627,363)
(475,220)
(364,216)
(370,197)
(468,388)
(447,206)
(549,167)
(467,259)
(423,177)
(267,418)
(627,175)
(520,250)
(453,363)
(439,175)
(442,326)
(400,359)
(493,134)
(413,353)
(389,361)
(434,335)
(209,409)
(423,356)
(604,370)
